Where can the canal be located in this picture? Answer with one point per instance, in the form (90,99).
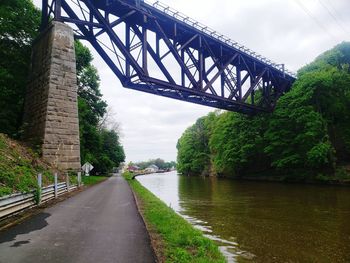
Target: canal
(262,222)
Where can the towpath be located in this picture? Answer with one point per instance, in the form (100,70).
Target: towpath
(100,224)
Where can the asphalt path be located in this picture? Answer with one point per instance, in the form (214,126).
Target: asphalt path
(100,224)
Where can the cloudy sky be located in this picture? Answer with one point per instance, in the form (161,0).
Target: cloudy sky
(292,32)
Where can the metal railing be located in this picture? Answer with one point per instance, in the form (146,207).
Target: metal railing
(212,33)
(17,202)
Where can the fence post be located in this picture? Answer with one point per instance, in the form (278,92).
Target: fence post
(39,188)
(79,179)
(55,185)
(67,181)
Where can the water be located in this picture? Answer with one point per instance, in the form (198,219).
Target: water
(262,222)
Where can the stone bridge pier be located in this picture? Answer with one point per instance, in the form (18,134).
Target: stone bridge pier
(51,121)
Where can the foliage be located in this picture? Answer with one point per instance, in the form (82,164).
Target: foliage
(235,143)
(193,147)
(19,168)
(338,57)
(297,135)
(89,83)
(112,152)
(19,22)
(98,145)
(181,242)
(37,195)
(306,136)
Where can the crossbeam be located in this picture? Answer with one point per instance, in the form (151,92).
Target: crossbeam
(155,49)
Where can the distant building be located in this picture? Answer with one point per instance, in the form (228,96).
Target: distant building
(152,169)
(133,168)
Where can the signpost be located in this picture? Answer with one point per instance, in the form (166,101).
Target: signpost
(87,168)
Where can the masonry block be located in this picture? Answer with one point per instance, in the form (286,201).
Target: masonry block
(51,107)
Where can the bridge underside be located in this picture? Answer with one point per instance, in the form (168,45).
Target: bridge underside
(154,49)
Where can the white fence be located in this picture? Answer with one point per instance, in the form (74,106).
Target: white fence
(17,202)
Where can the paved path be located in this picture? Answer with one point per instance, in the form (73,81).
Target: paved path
(99,225)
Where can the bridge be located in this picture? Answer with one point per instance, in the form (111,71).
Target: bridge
(158,50)
(150,48)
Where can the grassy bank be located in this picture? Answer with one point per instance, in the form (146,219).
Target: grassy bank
(91,180)
(19,167)
(174,239)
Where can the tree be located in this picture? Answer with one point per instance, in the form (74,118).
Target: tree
(89,83)
(19,23)
(236,144)
(307,135)
(98,144)
(112,152)
(193,156)
(90,104)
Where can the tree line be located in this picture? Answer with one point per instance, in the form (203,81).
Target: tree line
(307,137)
(19,26)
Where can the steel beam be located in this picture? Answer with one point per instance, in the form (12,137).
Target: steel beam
(204,58)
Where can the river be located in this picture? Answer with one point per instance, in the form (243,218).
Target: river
(261,221)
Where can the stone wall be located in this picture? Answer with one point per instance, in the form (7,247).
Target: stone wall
(51,110)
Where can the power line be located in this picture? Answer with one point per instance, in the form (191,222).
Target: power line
(307,11)
(333,8)
(334,17)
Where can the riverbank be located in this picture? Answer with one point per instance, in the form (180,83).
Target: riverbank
(137,173)
(173,238)
(261,221)
(340,177)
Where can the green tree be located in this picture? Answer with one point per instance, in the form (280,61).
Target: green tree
(112,152)
(19,23)
(308,134)
(193,156)
(98,145)
(297,139)
(90,104)
(236,144)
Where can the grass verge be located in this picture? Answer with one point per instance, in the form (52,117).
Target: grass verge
(91,180)
(175,239)
(19,167)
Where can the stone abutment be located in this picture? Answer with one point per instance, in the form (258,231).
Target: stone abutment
(51,120)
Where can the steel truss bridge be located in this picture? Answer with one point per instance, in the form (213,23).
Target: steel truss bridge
(155,49)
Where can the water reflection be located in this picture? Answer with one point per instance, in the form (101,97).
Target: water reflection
(263,222)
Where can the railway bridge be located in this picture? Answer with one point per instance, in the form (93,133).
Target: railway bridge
(150,47)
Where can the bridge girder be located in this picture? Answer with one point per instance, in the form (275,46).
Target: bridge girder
(162,53)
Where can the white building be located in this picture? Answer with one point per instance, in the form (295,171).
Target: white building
(152,169)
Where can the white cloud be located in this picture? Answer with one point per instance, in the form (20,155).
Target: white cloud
(278,29)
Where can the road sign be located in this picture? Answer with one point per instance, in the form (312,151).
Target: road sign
(87,168)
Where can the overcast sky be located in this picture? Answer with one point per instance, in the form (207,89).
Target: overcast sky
(292,32)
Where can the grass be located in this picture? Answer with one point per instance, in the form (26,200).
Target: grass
(91,180)
(19,167)
(179,240)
